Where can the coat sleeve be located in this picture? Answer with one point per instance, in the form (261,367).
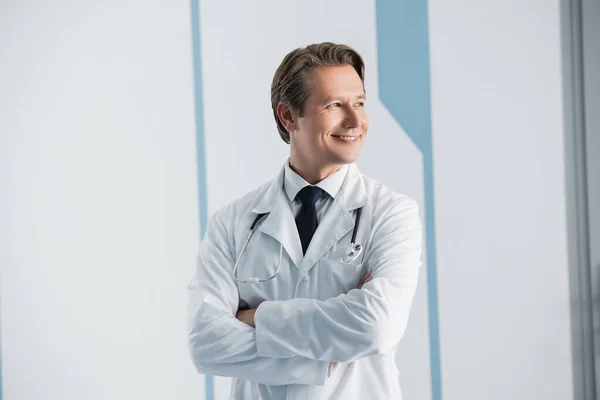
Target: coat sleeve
(363,322)
(220,344)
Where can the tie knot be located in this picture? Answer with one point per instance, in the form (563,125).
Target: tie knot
(310,194)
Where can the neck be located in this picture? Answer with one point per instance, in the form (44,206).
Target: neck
(313,174)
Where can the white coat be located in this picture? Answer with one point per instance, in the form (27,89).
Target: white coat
(312,313)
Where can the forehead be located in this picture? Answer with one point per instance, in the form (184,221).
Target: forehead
(336,81)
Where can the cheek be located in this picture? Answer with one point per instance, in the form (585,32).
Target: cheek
(331,122)
(308,134)
(316,127)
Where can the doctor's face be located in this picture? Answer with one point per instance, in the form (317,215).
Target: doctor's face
(334,123)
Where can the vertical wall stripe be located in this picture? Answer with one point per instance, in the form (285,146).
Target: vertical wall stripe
(0,357)
(201,158)
(404,89)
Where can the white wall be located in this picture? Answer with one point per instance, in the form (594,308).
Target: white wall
(98,170)
(500,199)
(98,157)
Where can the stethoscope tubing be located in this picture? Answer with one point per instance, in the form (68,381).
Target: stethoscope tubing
(354,252)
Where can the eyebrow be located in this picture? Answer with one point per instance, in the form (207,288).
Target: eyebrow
(329,99)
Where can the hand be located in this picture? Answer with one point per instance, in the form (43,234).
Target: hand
(368,276)
(246,316)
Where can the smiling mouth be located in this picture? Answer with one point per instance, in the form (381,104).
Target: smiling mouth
(346,138)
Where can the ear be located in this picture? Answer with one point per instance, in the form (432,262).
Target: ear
(288,118)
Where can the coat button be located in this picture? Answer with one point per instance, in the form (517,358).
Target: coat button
(305,279)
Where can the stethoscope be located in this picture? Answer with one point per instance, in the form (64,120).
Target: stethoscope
(354,250)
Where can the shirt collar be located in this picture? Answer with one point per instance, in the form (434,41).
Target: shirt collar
(293,182)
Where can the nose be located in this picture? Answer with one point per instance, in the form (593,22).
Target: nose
(352,119)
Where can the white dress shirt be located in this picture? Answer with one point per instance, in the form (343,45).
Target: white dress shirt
(293,183)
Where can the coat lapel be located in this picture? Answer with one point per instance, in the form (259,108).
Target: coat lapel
(280,223)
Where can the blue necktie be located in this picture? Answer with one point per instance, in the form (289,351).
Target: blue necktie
(306,220)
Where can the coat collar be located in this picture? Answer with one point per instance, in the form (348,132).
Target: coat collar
(336,223)
(352,195)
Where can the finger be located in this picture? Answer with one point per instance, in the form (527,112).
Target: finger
(365,281)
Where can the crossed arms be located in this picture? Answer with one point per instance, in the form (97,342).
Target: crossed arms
(294,340)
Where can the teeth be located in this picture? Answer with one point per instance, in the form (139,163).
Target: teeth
(351,138)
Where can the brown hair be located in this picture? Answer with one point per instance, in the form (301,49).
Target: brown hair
(291,82)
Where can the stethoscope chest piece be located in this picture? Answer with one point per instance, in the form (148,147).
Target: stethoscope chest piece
(353,252)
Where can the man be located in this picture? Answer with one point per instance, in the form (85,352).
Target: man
(290,312)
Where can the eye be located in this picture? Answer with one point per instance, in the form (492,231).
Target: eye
(359,104)
(335,105)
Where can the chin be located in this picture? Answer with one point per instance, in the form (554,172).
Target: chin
(345,158)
